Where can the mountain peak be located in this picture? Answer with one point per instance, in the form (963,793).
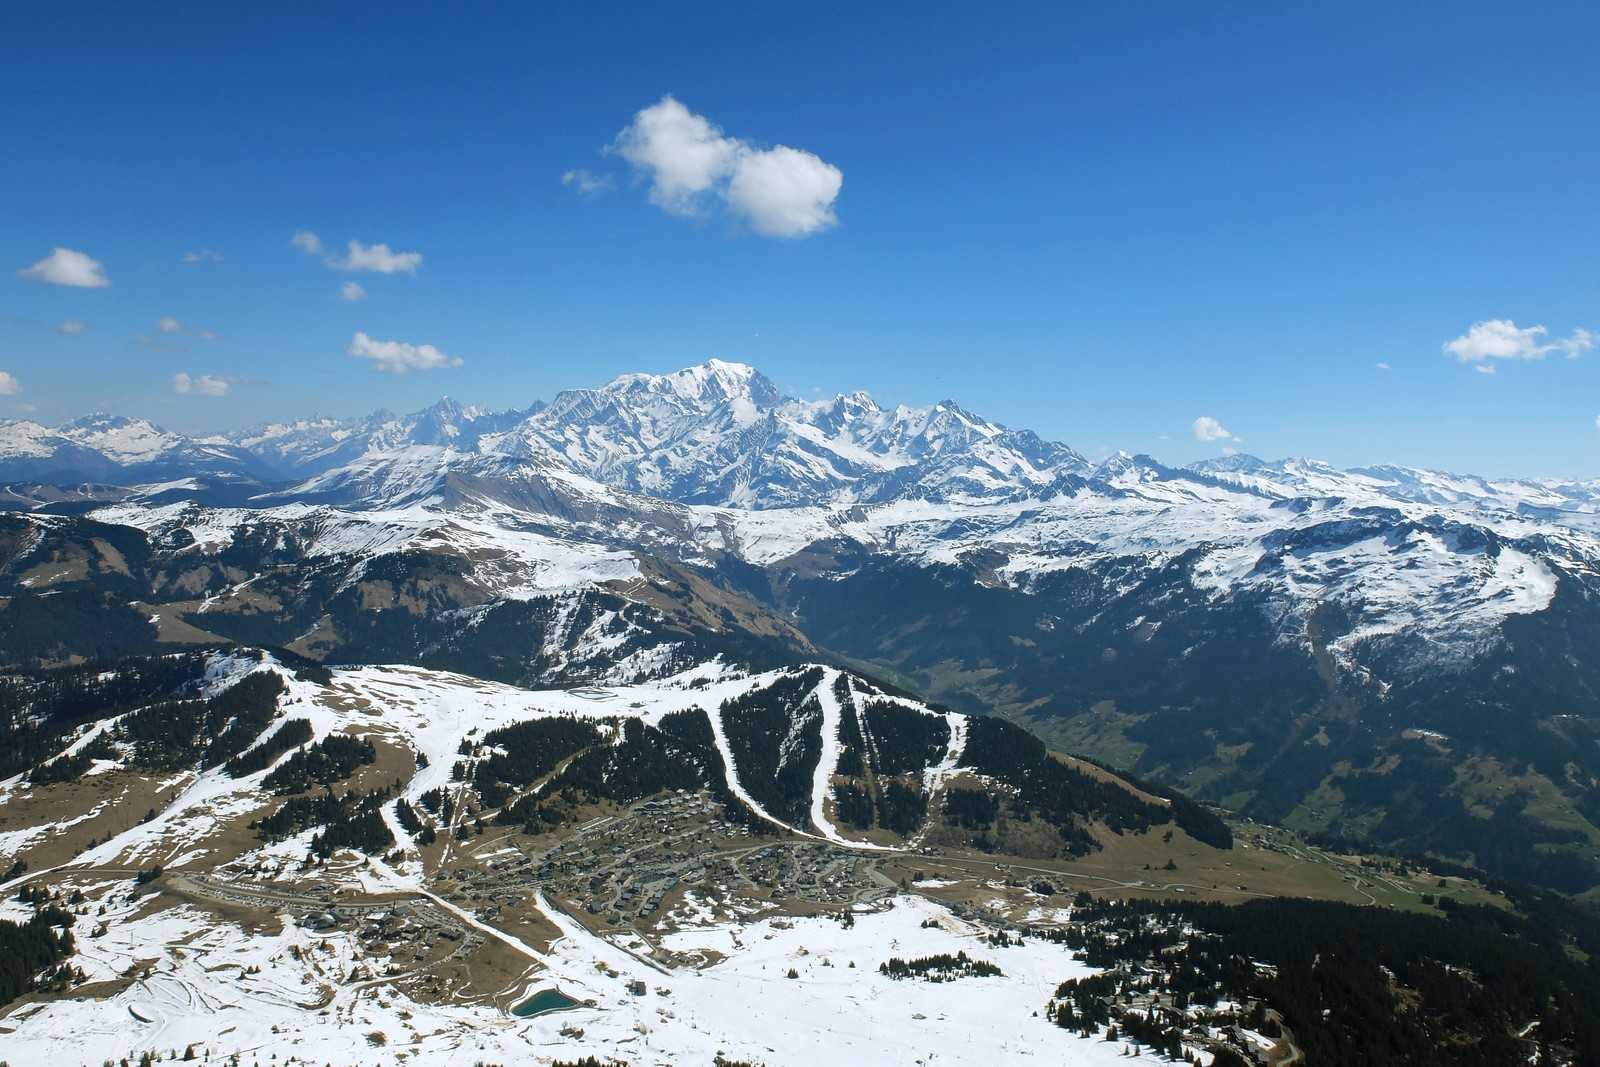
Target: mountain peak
(1123,462)
(701,387)
(717,378)
(1237,463)
(440,423)
(97,421)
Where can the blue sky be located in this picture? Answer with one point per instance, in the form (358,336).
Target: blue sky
(1102,223)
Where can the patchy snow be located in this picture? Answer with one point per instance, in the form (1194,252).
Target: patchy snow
(514,561)
(314,997)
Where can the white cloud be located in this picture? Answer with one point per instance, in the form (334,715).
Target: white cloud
(399,357)
(63,266)
(1383,366)
(73,327)
(1484,368)
(585,182)
(780,192)
(352,291)
(1504,339)
(204,255)
(1497,339)
(204,385)
(684,154)
(785,192)
(8,385)
(1580,342)
(1208,429)
(379,258)
(168,324)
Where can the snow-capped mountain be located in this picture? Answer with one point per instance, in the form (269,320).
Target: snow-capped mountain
(1289,478)
(721,433)
(308,447)
(132,452)
(718,434)
(110,448)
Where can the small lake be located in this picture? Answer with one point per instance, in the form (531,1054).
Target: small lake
(544,1002)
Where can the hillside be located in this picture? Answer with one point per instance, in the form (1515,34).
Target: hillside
(476,816)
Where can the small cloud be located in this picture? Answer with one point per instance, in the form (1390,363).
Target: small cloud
(1484,368)
(352,291)
(63,266)
(1504,339)
(683,154)
(1580,342)
(204,255)
(204,385)
(785,192)
(73,327)
(1208,429)
(399,357)
(209,335)
(168,324)
(8,385)
(691,163)
(1383,366)
(378,258)
(586,183)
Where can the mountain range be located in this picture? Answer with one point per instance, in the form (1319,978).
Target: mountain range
(722,434)
(1388,654)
